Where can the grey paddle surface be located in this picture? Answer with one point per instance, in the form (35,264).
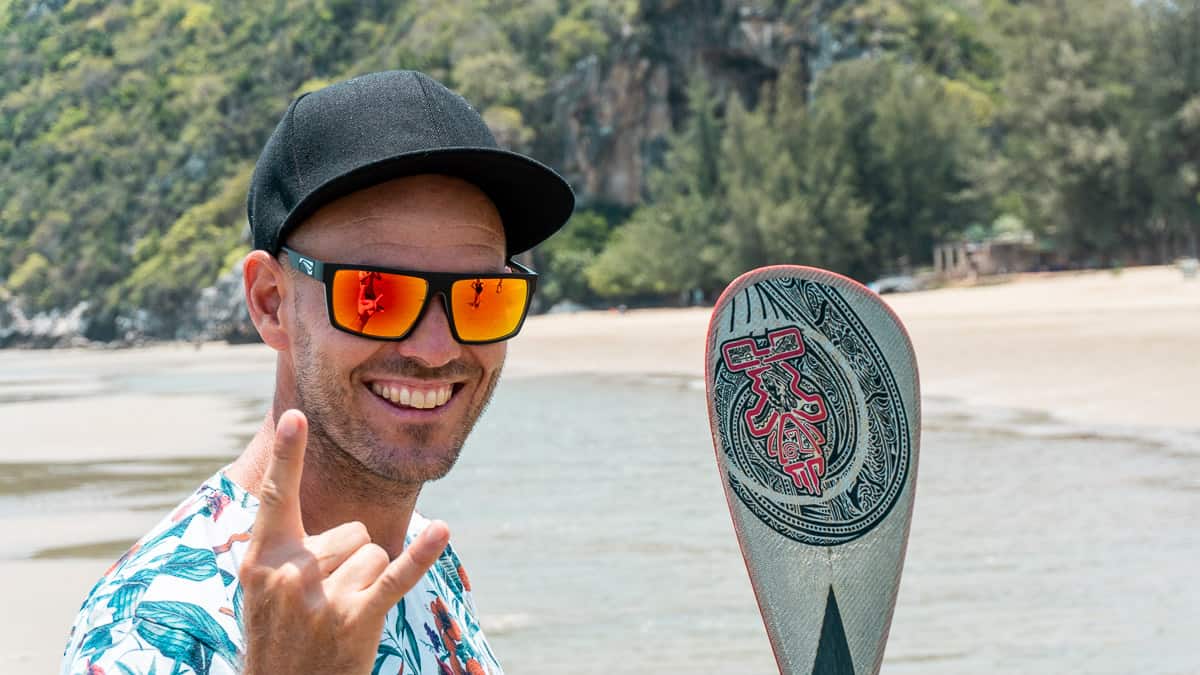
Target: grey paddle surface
(815,413)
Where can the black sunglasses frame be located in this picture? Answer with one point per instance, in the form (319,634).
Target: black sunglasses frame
(439,283)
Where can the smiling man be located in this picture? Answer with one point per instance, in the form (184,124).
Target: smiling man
(385,219)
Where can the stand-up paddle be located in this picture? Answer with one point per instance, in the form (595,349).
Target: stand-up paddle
(815,413)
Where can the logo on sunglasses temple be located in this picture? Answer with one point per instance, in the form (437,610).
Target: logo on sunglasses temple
(306,266)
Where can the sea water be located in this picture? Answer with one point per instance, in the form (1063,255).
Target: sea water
(590,515)
(592,511)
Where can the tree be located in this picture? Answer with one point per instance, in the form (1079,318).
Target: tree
(913,139)
(671,244)
(789,184)
(1071,139)
(1169,161)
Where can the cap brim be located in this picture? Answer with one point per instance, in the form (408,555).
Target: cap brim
(533,200)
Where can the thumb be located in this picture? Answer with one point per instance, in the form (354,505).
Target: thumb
(279,495)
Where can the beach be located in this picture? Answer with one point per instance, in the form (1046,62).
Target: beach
(1091,347)
(1100,367)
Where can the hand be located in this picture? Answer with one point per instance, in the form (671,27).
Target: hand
(317,604)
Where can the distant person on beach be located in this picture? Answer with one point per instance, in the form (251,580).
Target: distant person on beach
(305,555)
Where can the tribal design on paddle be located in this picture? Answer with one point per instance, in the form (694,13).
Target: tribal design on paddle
(811,424)
(786,415)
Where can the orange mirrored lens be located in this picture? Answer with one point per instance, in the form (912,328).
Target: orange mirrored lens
(377,303)
(488,308)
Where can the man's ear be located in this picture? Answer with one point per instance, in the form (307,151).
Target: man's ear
(266,285)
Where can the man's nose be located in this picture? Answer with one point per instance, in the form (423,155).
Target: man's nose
(430,341)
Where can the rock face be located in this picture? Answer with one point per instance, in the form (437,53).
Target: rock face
(220,313)
(48,329)
(611,118)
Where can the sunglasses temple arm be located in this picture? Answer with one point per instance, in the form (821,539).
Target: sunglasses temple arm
(306,265)
(519,267)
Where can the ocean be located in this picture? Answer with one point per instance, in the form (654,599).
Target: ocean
(590,516)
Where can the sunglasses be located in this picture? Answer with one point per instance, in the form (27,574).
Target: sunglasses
(386,304)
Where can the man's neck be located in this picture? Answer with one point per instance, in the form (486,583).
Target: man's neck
(334,489)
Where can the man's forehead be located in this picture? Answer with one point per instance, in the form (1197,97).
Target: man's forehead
(418,212)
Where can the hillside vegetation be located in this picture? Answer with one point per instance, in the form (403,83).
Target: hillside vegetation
(129,129)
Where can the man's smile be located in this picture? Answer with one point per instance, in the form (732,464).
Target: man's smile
(420,396)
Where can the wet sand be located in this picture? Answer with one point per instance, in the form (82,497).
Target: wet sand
(99,444)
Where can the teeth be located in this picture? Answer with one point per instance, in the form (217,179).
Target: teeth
(423,399)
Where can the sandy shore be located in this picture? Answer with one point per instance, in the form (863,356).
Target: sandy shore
(1098,349)
(1115,350)
(1095,348)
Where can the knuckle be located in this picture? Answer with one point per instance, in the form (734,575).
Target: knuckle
(270,494)
(250,569)
(292,576)
(374,554)
(253,577)
(358,530)
(357,535)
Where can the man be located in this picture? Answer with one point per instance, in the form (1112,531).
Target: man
(305,554)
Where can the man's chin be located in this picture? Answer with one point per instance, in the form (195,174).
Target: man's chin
(411,466)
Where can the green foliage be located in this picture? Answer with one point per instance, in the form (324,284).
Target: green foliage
(1075,127)
(127,129)
(31,276)
(671,244)
(915,141)
(565,257)
(789,184)
(170,270)
(573,38)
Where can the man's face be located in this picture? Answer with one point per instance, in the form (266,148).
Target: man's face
(401,410)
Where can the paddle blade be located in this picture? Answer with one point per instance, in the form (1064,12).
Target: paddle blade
(815,412)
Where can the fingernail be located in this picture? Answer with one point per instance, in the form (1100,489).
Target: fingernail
(289,423)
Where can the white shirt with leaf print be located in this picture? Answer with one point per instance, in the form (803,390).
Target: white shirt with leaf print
(172,605)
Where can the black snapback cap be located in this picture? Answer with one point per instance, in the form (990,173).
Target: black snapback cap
(355,134)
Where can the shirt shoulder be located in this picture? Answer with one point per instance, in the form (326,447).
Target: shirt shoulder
(175,591)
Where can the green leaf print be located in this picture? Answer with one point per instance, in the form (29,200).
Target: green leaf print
(450,574)
(385,650)
(125,599)
(99,639)
(190,620)
(193,564)
(175,530)
(402,628)
(227,487)
(237,605)
(177,645)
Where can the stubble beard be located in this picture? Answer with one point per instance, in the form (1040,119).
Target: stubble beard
(352,456)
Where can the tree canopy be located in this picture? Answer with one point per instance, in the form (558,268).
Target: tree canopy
(128,130)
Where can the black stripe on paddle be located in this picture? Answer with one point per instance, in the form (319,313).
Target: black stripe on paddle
(833,652)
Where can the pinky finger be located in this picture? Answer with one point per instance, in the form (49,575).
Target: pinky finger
(407,569)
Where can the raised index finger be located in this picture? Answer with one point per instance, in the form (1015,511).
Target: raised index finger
(279,495)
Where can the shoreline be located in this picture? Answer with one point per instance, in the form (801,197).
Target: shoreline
(1095,348)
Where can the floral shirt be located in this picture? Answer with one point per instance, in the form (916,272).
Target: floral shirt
(173,605)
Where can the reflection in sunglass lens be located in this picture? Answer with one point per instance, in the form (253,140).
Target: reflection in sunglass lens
(377,303)
(488,308)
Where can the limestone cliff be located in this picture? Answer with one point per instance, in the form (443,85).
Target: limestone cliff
(609,119)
